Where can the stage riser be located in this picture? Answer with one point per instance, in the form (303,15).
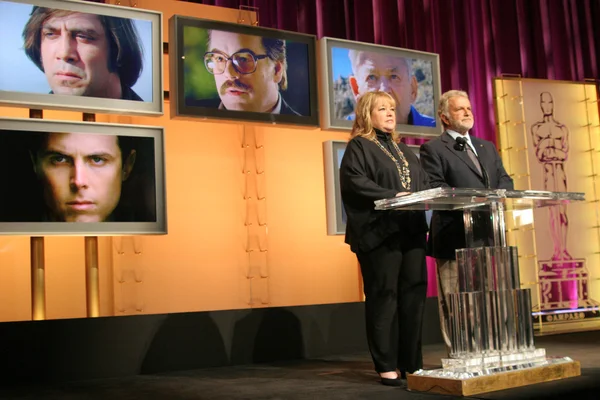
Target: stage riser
(95,348)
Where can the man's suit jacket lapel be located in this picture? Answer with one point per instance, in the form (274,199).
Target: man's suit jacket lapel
(447,139)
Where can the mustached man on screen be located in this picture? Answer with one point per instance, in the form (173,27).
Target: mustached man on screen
(82,174)
(373,71)
(249,72)
(84,54)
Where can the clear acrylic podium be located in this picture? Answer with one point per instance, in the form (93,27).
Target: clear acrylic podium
(490,317)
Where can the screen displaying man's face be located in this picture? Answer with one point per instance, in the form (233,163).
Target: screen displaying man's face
(257,91)
(376,71)
(74,53)
(81,175)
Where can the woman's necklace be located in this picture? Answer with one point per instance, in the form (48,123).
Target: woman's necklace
(401,165)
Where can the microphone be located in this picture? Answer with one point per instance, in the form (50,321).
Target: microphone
(460,144)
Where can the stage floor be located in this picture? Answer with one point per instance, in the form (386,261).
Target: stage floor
(342,377)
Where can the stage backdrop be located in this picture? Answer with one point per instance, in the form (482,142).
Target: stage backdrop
(549,140)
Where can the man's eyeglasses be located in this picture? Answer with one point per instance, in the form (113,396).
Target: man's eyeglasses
(244,62)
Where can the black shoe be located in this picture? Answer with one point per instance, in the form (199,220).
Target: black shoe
(398,382)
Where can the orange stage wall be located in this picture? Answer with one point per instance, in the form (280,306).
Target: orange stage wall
(202,263)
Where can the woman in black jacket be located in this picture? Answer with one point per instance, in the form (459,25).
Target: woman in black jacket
(390,245)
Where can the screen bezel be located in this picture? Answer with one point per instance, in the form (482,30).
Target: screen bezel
(333,194)
(159,227)
(177,99)
(328,120)
(97,104)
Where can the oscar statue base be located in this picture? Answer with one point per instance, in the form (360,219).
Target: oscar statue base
(438,381)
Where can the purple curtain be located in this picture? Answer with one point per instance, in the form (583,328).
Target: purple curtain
(477,40)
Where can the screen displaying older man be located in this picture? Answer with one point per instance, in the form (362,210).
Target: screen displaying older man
(66,52)
(232,71)
(408,81)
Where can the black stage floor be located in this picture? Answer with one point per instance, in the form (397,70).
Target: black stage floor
(342,377)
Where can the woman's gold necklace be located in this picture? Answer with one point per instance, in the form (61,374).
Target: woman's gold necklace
(401,165)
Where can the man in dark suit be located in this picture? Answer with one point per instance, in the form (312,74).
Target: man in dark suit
(456,159)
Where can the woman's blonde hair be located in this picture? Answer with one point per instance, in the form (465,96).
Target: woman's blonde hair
(363,126)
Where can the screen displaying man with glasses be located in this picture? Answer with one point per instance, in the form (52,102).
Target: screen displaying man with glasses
(249,73)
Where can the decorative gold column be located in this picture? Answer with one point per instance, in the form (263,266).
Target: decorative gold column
(513,147)
(564,285)
(256,216)
(92,291)
(38,282)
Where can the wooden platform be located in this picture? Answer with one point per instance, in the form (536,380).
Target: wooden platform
(494,382)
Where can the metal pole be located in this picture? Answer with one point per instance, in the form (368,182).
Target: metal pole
(38,281)
(92,294)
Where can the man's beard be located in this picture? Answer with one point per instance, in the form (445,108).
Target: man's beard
(460,126)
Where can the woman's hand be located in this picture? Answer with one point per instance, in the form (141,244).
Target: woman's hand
(400,194)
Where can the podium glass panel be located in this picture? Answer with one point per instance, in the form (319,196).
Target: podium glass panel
(490,316)
(463,198)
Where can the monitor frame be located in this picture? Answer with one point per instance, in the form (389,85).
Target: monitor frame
(180,110)
(328,120)
(97,104)
(159,227)
(333,194)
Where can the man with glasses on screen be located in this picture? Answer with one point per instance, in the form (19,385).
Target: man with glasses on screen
(372,71)
(82,174)
(84,54)
(249,72)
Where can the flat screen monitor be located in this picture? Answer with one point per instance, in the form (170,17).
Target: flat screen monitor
(81,56)
(242,73)
(333,152)
(81,178)
(349,68)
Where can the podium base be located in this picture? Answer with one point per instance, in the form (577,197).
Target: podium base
(495,381)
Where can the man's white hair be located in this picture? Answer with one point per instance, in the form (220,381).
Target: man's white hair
(443,105)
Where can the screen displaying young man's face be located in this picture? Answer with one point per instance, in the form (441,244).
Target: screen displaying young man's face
(75,55)
(81,175)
